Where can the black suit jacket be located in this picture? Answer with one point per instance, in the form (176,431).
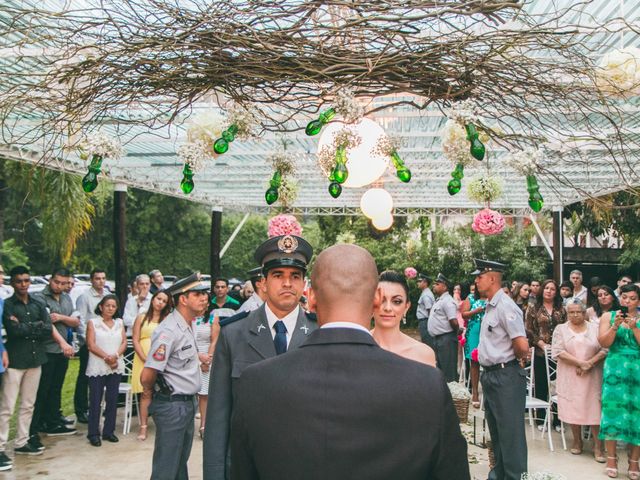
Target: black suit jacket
(340,407)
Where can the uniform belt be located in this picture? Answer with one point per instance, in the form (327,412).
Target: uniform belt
(173,398)
(443,334)
(498,366)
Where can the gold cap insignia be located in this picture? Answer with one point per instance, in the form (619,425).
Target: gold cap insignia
(287,244)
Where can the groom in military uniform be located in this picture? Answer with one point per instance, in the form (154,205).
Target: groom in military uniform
(249,337)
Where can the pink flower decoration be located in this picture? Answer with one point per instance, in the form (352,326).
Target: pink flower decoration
(488,222)
(284,224)
(410,272)
(474,355)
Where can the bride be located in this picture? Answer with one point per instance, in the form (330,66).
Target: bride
(388,315)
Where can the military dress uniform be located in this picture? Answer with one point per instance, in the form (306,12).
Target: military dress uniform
(174,355)
(503,380)
(245,339)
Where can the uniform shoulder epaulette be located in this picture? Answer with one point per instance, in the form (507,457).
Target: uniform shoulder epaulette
(233,318)
(311,316)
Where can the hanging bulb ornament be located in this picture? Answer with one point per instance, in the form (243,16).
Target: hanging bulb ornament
(221,145)
(271,195)
(90,180)
(187,185)
(536,202)
(455,183)
(314,127)
(402,172)
(476,148)
(340,172)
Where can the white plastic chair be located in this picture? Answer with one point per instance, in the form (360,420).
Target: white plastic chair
(552,369)
(532,403)
(126,389)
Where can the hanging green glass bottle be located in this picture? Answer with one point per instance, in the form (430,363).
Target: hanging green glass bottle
(536,202)
(335,189)
(455,183)
(187,185)
(476,148)
(230,133)
(220,146)
(276,180)
(90,180)
(404,174)
(340,171)
(271,195)
(314,127)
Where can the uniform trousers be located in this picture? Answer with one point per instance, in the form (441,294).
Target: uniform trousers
(109,385)
(446,348)
(80,396)
(48,403)
(174,437)
(423,327)
(504,392)
(23,382)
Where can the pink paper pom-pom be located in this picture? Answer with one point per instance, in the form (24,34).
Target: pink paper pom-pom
(410,272)
(474,355)
(488,222)
(284,224)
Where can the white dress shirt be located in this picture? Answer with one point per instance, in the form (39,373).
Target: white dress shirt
(254,302)
(289,321)
(133,308)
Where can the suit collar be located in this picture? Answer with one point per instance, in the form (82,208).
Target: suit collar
(324,336)
(261,339)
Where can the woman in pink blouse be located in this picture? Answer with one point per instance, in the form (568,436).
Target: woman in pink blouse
(579,377)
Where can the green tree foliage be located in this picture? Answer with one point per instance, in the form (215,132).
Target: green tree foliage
(12,255)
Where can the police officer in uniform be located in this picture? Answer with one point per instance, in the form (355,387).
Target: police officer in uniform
(171,375)
(443,328)
(257,299)
(249,337)
(502,342)
(425,303)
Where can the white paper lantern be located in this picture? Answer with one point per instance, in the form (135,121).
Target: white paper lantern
(383,222)
(365,165)
(376,202)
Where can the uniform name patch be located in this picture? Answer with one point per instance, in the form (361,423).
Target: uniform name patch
(186,347)
(160,353)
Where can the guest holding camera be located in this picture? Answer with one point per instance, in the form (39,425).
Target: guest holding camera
(619,333)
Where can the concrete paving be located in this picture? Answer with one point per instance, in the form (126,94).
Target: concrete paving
(72,457)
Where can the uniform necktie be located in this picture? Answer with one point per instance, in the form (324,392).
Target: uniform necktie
(280,340)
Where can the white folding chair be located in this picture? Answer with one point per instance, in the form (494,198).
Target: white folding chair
(126,389)
(532,403)
(552,368)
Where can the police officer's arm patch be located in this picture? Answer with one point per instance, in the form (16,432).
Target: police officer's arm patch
(160,353)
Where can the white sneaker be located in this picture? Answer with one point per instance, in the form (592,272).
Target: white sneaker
(542,428)
(558,428)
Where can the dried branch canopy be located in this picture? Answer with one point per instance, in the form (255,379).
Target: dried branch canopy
(532,76)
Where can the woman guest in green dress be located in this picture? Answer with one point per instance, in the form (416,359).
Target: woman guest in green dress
(472,311)
(620,333)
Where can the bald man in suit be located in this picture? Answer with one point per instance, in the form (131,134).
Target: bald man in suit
(340,407)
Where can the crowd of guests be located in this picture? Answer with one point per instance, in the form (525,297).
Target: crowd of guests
(45,329)
(592,333)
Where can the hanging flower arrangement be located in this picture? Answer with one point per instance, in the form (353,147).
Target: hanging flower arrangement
(205,127)
(528,162)
(282,185)
(454,143)
(332,159)
(284,224)
(619,72)
(347,106)
(488,222)
(388,146)
(98,147)
(410,272)
(485,189)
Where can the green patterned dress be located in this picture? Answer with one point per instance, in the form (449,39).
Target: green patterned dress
(621,389)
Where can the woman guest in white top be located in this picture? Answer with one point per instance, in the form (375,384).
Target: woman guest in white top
(106,341)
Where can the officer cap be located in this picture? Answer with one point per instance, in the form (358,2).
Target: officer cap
(284,251)
(255,272)
(442,279)
(191,283)
(484,266)
(422,276)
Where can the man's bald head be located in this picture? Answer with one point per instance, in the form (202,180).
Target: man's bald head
(345,277)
